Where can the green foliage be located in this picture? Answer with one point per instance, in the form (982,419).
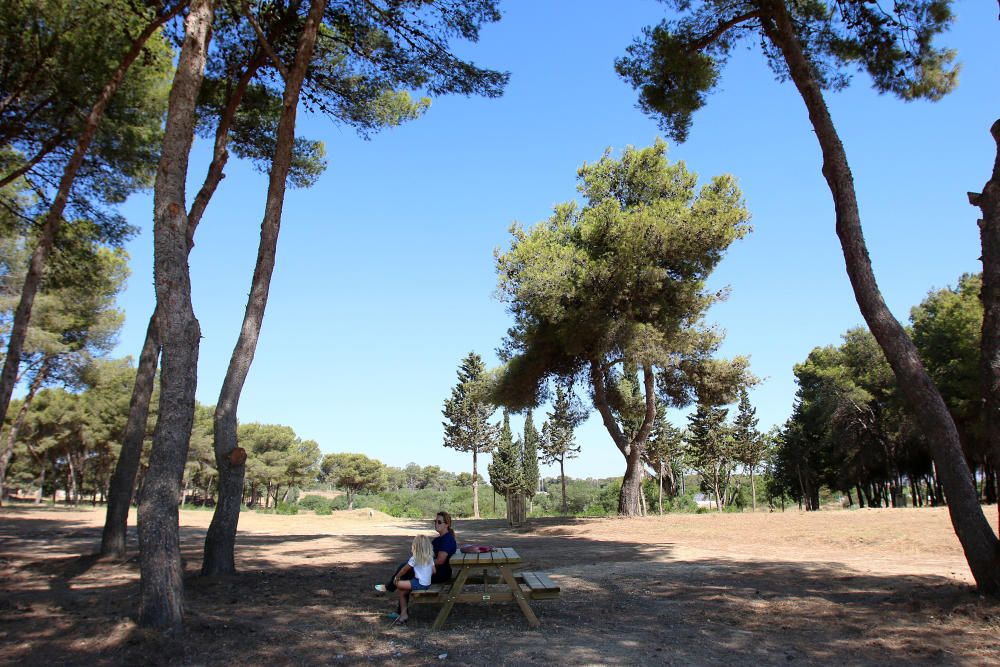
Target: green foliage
(354,473)
(286,508)
(621,278)
(425,503)
(710,450)
(278,460)
(506,473)
(467,410)
(677,63)
(529,456)
(57,56)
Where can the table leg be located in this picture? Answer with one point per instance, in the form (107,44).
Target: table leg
(508,576)
(453,593)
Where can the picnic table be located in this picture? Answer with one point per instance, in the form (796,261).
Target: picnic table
(486,578)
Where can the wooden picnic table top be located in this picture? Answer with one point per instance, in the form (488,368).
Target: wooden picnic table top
(499,556)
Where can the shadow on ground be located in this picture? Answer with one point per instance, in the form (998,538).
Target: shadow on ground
(623,602)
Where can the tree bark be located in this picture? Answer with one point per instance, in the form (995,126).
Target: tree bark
(980,544)
(161,604)
(53,219)
(988,202)
(562,480)
(220,541)
(475,485)
(123,481)
(113,538)
(629,502)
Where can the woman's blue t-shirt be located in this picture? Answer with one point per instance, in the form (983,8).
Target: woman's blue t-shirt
(447,544)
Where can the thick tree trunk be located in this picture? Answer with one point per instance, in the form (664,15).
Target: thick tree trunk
(123,479)
(988,202)
(15,428)
(629,500)
(220,541)
(980,544)
(161,602)
(53,220)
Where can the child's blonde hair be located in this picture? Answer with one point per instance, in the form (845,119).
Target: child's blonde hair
(422,553)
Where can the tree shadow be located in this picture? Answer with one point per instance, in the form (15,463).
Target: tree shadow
(622,602)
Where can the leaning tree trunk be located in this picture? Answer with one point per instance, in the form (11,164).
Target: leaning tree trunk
(220,541)
(53,220)
(161,603)
(980,544)
(989,231)
(123,480)
(15,428)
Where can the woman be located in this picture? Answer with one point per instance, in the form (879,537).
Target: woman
(444,547)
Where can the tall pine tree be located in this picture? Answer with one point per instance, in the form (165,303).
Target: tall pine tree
(467,413)
(557,441)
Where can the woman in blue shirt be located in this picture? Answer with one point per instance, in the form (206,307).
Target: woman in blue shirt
(444,547)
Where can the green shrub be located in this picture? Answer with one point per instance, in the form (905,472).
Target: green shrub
(286,508)
(312,502)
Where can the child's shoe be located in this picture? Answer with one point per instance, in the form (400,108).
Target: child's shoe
(380,588)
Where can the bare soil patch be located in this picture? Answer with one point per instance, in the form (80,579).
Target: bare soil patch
(863,587)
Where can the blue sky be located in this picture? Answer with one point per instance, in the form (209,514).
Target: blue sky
(385,277)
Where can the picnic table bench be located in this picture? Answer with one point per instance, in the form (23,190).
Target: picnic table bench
(485,578)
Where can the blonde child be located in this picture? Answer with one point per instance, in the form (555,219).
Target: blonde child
(422,564)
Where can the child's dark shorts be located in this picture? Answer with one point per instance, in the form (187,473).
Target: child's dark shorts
(417,586)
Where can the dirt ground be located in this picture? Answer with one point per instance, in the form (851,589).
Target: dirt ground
(862,587)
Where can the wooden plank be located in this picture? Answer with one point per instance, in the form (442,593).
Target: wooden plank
(539,581)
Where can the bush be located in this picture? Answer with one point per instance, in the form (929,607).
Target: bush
(286,508)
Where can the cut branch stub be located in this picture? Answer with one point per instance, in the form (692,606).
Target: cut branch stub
(237,457)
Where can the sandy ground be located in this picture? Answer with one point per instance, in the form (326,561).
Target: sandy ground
(863,587)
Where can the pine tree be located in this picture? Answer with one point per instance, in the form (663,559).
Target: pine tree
(709,449)
(557,442)
(505,471)
(467,412)
(663,452)
(749,445)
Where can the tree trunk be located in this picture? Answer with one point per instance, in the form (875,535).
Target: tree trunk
(628,500)
(515,509)
(122,485)
(562,477)
(753,492)
(989,232)
(161,603)
(979,543)
(475,486)
(220,541)
(123,481)
(53,220)
(659,498)
(15,428)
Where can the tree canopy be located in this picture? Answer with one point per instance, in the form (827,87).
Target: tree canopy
(618,285)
